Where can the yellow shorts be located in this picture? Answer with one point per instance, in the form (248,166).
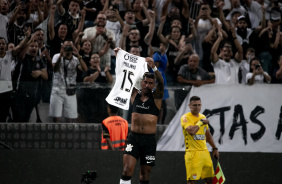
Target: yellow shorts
(198,165)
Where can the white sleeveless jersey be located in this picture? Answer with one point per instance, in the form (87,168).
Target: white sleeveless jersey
(129,69)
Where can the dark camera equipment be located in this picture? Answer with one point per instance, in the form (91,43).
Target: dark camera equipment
(115,7)
(68,49)
(88,177)
(257,66)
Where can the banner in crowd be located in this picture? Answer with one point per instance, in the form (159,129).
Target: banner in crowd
(242,118)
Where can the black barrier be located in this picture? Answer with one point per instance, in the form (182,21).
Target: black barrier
(54,136)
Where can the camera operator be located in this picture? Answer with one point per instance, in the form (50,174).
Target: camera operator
(256,74)
(63,96)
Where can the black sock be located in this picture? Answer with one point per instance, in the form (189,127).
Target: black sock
(125,178)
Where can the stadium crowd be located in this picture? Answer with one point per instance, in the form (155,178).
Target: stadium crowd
(49,48)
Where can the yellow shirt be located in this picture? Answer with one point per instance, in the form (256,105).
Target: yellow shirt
(195,142)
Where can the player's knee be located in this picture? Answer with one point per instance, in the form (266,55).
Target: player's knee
(144,175)
(127,171)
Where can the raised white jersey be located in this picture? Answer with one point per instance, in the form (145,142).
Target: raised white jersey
(129,69)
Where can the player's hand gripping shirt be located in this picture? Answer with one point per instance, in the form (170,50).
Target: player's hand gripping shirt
(129,69)
(195,142)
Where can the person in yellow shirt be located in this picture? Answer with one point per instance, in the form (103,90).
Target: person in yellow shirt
(196,133)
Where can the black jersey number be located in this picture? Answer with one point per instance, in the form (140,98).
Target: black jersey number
(126,76)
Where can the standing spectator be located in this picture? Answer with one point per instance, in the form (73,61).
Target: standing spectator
(256,74)
(32,70)
(72,17)
(203,24)
(4,9)
(160,59)
(115,130)
(6,60)
(95,111)
(196,133)
(56,38)
(173,43)
(64,65)
(236,7)
(134,38)
(226,69)
(254,10)
(100,37)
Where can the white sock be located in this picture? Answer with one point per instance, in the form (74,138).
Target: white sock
(124,181)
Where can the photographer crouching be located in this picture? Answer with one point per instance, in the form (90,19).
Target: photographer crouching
(63,97)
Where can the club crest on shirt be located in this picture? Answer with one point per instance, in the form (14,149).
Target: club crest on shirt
(128,148)
(184,119)
(194,175)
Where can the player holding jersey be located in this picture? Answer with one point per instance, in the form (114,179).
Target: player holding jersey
(196,133)
(141,141)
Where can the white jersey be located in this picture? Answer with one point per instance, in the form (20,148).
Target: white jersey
(129,69)
(226,72)
(5,72)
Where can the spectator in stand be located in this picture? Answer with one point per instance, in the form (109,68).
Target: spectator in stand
(72,17)
(277,73)
(32,70)
(6,60)
(256,74)
(92,8)
(160,59)
(18,23)
(173,43)
(115,130)
(95,111)
(64,65)
(188,75)
(135,39)
(236,8)
(177,14)
(45,86)
(226,69)
(101,37)
(247,37)
(254,10)
(4,10)
(245,65)
(192,74)
(203,24)
(270,37)
(56,37)
(114,23)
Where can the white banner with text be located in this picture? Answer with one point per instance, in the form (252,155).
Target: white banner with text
(242,118)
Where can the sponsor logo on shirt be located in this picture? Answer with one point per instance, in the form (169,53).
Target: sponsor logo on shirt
(194,175)
(143,107)
(131,58)
(199,137)
(121,100)
(150,159)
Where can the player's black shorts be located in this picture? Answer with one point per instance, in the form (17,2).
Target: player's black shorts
(143,146)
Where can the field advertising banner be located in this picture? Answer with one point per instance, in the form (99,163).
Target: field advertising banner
(242,118)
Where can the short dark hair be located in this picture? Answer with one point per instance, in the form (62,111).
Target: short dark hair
(255,58)
(113,109)
(38,29)
(2,38)
(149,75)
(68,40)
(194,98)
(134,46)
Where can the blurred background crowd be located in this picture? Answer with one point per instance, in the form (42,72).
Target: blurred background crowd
(60,53)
